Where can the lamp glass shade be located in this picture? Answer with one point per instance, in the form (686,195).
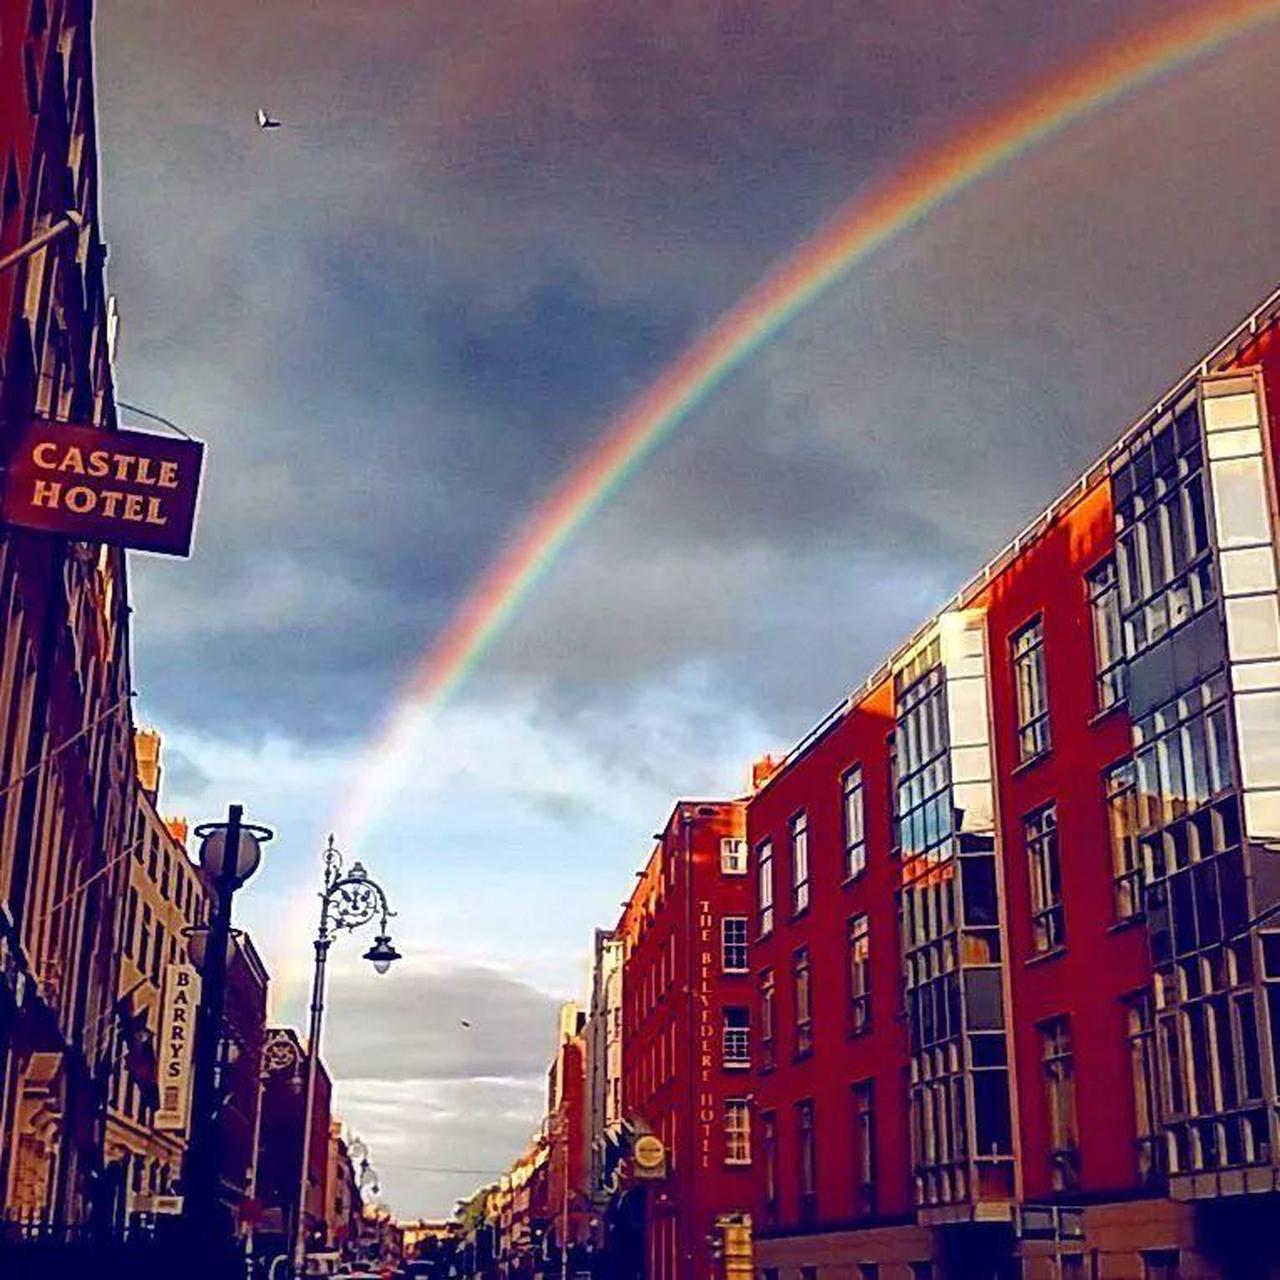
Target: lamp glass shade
(213,852)
(382,953)
(198,947)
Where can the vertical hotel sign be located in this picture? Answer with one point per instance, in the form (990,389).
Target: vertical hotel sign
(177,1038)
(128,488)
(706,1036)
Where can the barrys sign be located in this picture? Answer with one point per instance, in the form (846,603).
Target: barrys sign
(177,1040)
(128,488)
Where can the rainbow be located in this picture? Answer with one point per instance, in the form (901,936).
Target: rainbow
(894,204)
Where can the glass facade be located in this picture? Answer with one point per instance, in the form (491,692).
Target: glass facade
(950,924)
(1202,640)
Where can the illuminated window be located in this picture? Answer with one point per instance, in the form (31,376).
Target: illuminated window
(764,874)
(737,1131)
(1108,638)
(1140,1033)
(859,974)
(1031,690)
(733,856)
(803,1002)
(1120,782)
(855,830)
(799,862)
(1048,926)
(1060,1095)
(733,944)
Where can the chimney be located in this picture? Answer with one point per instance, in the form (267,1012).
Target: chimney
(146,749)
(178,829)
(762,770)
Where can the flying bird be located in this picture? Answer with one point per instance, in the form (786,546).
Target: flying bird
(462,1022)
(265,121)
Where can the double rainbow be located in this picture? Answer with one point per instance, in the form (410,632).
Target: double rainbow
(867,222)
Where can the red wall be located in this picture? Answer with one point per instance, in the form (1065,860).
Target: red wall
(663,1084)
(813,782)
(1102,960)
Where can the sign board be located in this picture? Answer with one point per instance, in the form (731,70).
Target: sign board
(129,488)
(153,1202)
(649,1156)
(177,1039)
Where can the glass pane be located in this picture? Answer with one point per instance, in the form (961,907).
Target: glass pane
(1248,570)
(1262,815)
(1235,444)
(1256,675)
(1253,627)
(1222,413)
(1239,503)
(1258,728)
(967,711)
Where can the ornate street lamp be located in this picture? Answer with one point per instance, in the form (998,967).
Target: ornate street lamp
(348,901)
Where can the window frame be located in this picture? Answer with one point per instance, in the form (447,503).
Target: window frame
(798,830)
(764,887)
(853,788)
(1110,672)
(802,981)
(735,1039)
(737,1136)
(858,972)
(1040,834)
(1030,690)
(726,923)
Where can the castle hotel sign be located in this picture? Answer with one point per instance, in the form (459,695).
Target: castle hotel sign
(128,488)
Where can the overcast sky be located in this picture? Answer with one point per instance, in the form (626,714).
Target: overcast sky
(398,319)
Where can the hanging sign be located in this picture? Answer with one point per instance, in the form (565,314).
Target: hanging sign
(177,1039)
(128,488)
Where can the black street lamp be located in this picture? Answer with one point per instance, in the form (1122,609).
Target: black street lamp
(348,901)
(230,853)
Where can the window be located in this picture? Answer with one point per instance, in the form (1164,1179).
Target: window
(737,1131)
(1160,1264)
(165,868)
(1108,640)
(1032,694)
(144,938)
(1140,1032)
(131,920)
(799,862)
(157,953)
(1120,782)
(1048,929)
(766,1019)
(737,1036)
(769,1157)
(764,871)
(733,856)
(864,1147)
(807,1157)
(1060,1094)
(804,1002)
(1163,555)
(733,944)
(859,974)
(153,853)
(855,829)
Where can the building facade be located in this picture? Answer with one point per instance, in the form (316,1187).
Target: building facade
(687,998)
(1016,938)
(66,746)
(165,893)
(604,1070)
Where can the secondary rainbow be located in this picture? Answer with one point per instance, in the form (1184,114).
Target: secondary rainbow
(897,202)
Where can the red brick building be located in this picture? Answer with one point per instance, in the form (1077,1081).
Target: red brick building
(687,999)
(64,646)
(568,1206)
(1016,904)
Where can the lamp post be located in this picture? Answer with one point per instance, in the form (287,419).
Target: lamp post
(230,852)
(348,901)
(280,1053)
